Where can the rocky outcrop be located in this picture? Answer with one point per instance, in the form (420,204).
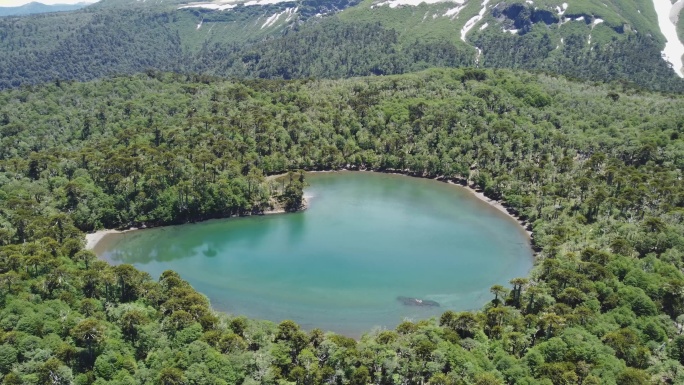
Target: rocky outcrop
(410,301)
(521,16)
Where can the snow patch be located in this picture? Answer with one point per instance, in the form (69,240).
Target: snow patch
(200,24)
(485,25)
(474,20)
(674,49)
(529,1)
(453,11)
(291,13)
(396,3)
(596,22)
(215,7)
(264,2)
(560,10)
(511,31)
(274,18)
(223,5)
(674,12)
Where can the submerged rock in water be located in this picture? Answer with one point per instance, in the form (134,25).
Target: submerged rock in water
(410,301)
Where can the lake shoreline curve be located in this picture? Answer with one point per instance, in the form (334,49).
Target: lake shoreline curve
(92,239)
(498,204)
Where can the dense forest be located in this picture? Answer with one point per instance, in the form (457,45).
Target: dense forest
(596,170)
(618,60)
(331,49)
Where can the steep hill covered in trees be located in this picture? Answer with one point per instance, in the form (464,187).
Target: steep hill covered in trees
(596,170)
(598,40)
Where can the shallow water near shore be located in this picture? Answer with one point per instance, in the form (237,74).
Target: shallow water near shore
(365,240)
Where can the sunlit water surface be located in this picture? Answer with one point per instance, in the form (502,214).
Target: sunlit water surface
(366,239)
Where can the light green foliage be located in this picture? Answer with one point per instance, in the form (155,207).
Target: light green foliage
(415,22)
(595,171)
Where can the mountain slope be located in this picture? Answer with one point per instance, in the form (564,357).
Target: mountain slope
(35,7)
(598,21)
(605,40)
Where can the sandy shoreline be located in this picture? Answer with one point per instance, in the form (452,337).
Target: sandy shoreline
(498,205)
(477,194)
(495,204)
(92,239)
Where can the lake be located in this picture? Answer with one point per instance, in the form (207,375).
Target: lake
(366,239)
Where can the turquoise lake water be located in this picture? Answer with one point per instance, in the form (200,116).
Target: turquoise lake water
(366,239)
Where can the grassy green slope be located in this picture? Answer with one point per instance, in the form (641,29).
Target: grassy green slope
(137,4)
(546,37)
(239,25)
(420,22)
(147,34)
(127,36)
(121,36)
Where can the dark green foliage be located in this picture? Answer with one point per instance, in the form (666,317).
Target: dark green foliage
(291,198)
(8,357)
(331,49)
(629,59)
(85,45)
(597,178)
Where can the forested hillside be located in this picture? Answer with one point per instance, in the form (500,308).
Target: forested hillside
(606,40)
(596,169)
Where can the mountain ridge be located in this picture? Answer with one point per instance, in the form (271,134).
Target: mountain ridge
(598,40)
(36,7)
